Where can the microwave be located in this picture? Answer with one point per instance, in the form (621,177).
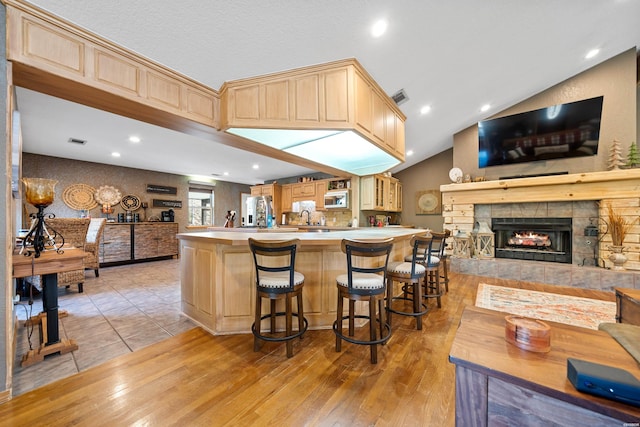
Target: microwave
(336,199)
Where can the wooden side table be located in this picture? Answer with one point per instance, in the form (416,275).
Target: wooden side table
(48,265)
(628,306)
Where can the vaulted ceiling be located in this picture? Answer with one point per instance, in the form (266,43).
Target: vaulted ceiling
(453,57)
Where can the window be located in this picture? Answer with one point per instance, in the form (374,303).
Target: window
(200,206)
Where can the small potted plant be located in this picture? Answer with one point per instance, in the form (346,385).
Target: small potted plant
(617,226)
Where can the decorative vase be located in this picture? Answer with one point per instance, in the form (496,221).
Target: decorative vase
(617,257)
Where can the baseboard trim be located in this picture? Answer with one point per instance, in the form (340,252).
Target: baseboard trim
(5,396)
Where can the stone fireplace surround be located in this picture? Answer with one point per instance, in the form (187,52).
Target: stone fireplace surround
(579,196)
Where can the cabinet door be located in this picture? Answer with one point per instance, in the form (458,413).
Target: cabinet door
(321,189)
(256,191)
(392,202)
(286,203)
(267,190)
(167,240)
(305,189)
(381,190)
(367,192)
(116,243)
(145,241)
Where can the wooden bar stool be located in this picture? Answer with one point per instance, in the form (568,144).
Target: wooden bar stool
(276,279)
(432,265)
(411,275)
(440,252)
(364,281)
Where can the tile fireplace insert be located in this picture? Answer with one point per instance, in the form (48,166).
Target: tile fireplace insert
(536,239)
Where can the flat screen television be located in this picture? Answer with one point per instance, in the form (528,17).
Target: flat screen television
(556,132)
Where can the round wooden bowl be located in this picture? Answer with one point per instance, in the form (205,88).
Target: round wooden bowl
(528,334)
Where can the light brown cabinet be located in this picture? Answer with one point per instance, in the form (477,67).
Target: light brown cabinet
(264,190)
(321,189)
(338,95)
(68,52)
(286,203)
(305,190)
(127,242)
(380,193)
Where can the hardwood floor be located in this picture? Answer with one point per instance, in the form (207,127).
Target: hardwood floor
(195,378)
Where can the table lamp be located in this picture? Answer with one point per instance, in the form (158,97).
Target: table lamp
(39,192)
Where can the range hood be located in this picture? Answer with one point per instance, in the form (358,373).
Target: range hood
(333,114)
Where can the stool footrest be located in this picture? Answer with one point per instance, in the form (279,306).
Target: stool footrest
(299,333)
(381,340)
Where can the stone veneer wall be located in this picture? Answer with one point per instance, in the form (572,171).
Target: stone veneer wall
(580,273)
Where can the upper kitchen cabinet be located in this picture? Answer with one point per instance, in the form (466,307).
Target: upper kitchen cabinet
(102,74)
(380,193)
(334,96)
(266,190)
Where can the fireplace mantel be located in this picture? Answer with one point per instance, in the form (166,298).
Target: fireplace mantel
(615,184)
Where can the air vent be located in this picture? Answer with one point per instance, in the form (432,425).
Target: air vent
(399,97)
(77,141)
(215,174)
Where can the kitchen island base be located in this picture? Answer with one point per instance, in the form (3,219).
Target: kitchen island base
(218,279)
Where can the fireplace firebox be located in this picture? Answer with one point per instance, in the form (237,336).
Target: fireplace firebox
(536,239)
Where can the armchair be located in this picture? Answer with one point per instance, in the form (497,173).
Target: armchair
(92,245)
(74,231)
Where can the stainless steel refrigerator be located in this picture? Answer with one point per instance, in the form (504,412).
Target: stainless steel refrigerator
(259,209)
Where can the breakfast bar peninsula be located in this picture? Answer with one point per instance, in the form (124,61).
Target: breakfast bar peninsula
(218,279)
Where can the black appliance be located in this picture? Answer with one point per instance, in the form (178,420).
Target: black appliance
(560,131)
(167,216)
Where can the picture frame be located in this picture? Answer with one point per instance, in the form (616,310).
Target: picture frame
(428,202)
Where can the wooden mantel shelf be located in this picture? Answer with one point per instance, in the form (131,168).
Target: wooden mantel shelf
(613,184)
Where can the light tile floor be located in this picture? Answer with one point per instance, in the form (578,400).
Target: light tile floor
(126,308)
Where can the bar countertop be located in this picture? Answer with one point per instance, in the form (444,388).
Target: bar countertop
(307,238)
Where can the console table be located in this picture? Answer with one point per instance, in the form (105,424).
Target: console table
(497,383)
(48,265)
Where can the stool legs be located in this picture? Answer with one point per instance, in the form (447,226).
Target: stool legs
(445,274)
(289,333)
(377,322)
(432,286)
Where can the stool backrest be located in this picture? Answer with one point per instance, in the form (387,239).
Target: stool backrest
(441,244)
(366,249)
(274,256)
(422,250)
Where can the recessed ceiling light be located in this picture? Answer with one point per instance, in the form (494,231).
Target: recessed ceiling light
(410,153)
(485,107)
(592,53)
(134,139)
(426,109)
(379,28)
(115,154)
(225,173)
(256,166)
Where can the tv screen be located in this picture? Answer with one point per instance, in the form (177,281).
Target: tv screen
(556,132)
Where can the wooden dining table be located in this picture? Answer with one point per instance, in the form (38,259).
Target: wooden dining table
(48,265)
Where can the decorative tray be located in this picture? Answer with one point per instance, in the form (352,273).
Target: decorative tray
(79,197)
(130,202)
(108,195)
